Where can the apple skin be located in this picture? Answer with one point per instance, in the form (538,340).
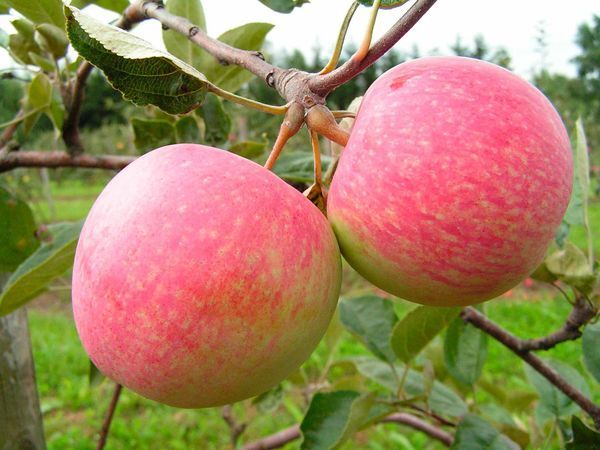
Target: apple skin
(453,183)
(201,278)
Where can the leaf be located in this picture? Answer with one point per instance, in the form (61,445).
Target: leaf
(465,351)
(418,328)
(571,266)
(40,11)
(22,44)
(186,130)
(52,39)
(268,401)
(298,166)
(576,211)
(46,263)
(217,123)
(250,36)
(149,134)
(584,438)
(283,6)
(333,417)
(473,432)
(385,4)
(38,100)
(372,319)
(95,377)
(178,44)
(591,345)
(112,5)
(248,149)
(553,403)
(17,231)
(43,63)
(3,9)
(442,400)
(143,74)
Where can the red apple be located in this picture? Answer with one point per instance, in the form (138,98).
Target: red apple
(454,180)
(201,278)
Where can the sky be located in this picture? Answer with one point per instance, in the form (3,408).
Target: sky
(512,24)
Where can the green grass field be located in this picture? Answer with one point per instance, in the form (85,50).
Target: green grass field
(73,409)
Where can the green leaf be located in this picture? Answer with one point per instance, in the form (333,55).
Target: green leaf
(584,438)
(46,263)
(178,44)
(4,8)
(17,231)
(418,328)
(298,166)
(112,5)
(38,100)
(442,400)
(576,212)
(333,417)
(43,63)
(250,36)
(186,130)
(571,266)
(473,433)
(283,6)
(248,149)
(22,44)
(95,377)
(385,4)
(553,403)
(372,319)
(149,134)
(40,11)
(52,39)
(142,73)
(591,349)
(217,123)
(269,401)
(465,351)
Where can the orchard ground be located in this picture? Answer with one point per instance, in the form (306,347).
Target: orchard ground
(73,409)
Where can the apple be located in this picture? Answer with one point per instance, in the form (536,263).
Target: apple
(201,278)
(455,178)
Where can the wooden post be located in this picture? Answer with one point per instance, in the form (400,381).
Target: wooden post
(20,415)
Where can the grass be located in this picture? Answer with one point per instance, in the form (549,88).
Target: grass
(73,409)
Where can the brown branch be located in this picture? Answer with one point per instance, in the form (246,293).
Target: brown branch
(418,424)
(516,345)
(235,428)
(109,416)
(292,433)
(581,314)
(324,84)
(9,132)
(250,60)
(54,159)
(276,440)
(73,98)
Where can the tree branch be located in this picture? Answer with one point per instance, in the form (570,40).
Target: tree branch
(250,60)
(292,433)
(516,345)
(74,98)
(581,314)
(109,416)
(324,84)
(54,159)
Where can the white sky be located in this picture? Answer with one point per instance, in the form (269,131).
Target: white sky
(512,24)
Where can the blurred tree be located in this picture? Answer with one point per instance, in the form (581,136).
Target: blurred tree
(481,50)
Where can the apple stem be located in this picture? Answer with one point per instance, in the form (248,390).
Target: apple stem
(344,114)
(263,107)
(366,43)
(320,119)
(109,416)
(339,45)
(294,118)
(314,141)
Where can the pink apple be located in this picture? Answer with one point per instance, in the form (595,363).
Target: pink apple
(201,278)
(454,180)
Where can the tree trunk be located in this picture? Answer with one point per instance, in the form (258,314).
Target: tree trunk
(20,415)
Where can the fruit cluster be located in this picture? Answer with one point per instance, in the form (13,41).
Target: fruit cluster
(202,279)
